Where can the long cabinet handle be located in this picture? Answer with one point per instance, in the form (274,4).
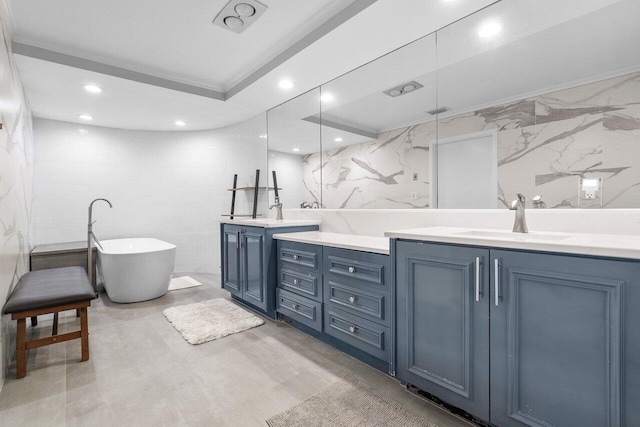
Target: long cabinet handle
(238,239)
(496,281)
(477,279)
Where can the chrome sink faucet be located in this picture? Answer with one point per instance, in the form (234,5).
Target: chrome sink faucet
(520,224)
(538,203)
(278,207)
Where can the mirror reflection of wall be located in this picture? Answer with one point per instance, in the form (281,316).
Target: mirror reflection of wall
(375,155)
(292,140)
(556,81)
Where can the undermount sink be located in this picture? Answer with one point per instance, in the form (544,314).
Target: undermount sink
(511,235)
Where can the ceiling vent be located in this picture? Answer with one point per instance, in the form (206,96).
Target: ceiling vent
(403,89)
(438,111)
(238,15)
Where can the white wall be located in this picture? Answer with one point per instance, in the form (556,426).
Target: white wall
(167,185)
(16,182)
(288,169)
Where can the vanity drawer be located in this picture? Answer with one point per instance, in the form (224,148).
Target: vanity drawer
(306,284)
(369,305)
(299,256)
(363,270)
(369,337)
(299,308)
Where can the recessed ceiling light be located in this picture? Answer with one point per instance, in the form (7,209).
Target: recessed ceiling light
(489,29)
(85,117)
(285,84)
(263,136)
(295,150)
(179,123)
(244,9)
(93,88)
(233,22)
(83,131)
(326,97)
(338,139)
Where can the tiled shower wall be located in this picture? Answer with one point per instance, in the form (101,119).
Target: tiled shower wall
(16,180)
(166,185)
(545,145)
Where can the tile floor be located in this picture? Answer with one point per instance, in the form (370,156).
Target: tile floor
(142,373)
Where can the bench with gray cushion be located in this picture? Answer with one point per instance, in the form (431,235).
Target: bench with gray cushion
(44,292)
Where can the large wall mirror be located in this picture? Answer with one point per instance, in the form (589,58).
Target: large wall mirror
(540,97)
(294,138)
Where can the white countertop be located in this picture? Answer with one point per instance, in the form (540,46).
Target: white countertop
(609,245)
(378,245)
(269,222)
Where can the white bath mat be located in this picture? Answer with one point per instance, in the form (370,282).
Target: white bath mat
(210,320)
(183,282)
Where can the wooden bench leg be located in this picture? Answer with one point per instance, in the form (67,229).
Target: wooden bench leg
(54,331)
(34,321)
(84,333)
(21,350)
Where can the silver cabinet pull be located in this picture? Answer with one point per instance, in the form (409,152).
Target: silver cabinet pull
(352,329)
(352,299)
(295,257)
(496,280)
(296,281)
(477,279)
(352,269)
(238,239)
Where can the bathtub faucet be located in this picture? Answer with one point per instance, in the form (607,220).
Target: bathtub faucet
(91,238)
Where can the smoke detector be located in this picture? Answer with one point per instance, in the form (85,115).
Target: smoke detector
(238,15)
(403,89)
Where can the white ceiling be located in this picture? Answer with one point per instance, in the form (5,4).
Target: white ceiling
(306,41)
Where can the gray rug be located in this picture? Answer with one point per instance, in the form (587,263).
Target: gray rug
(348,402)
(210,320)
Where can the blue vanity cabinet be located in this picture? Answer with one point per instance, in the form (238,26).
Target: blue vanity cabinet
(526,339)
(357,300)
(299,292)
(230,237)
(249,263)
(565,346)
(442,310)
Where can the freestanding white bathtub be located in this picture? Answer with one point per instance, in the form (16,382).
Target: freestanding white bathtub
(136,269)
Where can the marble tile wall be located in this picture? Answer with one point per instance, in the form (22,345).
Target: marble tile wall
(374,222)
(167,185)
(546,144)
(16,181)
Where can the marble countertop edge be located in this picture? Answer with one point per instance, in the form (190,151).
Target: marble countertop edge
(373,244)
(606,245)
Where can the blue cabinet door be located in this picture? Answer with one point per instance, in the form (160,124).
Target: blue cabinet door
(231,278)
(564,341)
(253,268)
(443,322)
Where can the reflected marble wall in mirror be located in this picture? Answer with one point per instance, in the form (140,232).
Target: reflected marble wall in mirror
(561,91)
(375,155)
(542,104)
